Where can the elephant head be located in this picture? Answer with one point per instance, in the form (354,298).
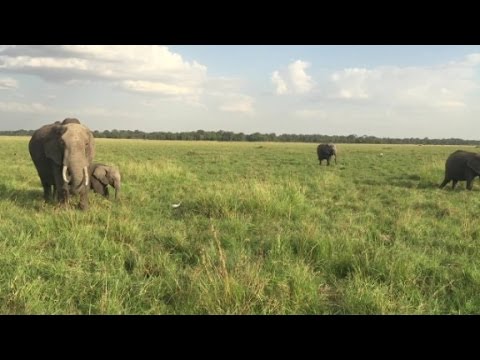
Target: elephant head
(72,147)
(70,150)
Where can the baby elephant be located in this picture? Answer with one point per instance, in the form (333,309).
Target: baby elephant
(101,176)
(461,165)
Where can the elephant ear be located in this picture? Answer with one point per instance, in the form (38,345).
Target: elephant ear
(474,163)
(100,173)
(53,148)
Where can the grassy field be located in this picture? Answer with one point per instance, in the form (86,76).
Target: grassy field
(261,229)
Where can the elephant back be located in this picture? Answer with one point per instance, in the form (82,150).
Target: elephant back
(80,128)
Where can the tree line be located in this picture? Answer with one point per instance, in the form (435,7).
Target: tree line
(221,135)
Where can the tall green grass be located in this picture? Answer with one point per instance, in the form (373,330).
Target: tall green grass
(261,229)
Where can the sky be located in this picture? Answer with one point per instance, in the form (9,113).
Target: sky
(385,91)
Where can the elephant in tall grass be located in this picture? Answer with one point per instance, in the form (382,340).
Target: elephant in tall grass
(325,152)
(102,176)
(62,154)
(461,166)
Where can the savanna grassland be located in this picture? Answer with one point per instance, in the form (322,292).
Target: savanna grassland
(261,229)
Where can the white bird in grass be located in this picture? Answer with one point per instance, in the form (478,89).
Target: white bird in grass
(176,205)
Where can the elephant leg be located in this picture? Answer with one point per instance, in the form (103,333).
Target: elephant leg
(84,199)
(62,188)
(105,191)
(470,176)
(445,182)
(328,161)
(454,183)
(470,183)
(97,186)
(47,191)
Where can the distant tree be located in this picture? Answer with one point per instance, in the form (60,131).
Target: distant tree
(222,135)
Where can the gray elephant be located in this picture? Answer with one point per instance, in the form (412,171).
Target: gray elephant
(325,152)
(461,166)
(62,155)
(101,176)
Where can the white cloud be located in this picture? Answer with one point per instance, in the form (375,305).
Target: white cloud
(293,79)
(281,86)
(158,87)
(453,104)
(238,103)
(102,112)
(138,68)
(311,113)
(16,107)
(153,71)
(470,60)
(39,108)
(353,83)
(445,86)
(301,82)
(224,84)
(8,84)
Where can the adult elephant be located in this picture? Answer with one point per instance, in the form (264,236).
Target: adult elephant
(101,176)
(325,152)
(461,166)
(62,155)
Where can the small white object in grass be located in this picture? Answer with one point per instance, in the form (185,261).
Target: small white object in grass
(176,205)
(381,154)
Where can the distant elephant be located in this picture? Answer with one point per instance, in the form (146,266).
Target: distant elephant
(461,165)
(325,152)
(62,155)
(101,176)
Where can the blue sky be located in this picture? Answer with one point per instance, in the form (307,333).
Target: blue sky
(394,91)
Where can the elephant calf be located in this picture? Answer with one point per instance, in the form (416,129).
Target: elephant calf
(460,166)
(325,152)
(103,175)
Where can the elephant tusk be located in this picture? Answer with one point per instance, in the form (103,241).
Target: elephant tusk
(64,174)
(85,172)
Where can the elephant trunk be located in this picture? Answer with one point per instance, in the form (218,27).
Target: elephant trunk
(116,185)
(79,176)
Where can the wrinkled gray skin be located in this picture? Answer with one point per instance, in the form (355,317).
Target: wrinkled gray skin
(461,166)
(101,176)
(62,155)
(325,152)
